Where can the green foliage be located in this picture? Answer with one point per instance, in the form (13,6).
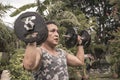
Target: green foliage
(113,56)
(68,18)
(16,66)
(7,38)
(75,73)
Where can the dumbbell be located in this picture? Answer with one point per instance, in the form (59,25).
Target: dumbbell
(71,36)
(30,27)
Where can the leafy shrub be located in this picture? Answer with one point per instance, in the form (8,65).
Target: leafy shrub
(16,66)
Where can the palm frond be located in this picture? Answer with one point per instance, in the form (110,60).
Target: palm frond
(23,8)
(4,8)
(41,7)
(67,16)
(56,6)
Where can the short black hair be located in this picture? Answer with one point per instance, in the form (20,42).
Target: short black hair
(51,22)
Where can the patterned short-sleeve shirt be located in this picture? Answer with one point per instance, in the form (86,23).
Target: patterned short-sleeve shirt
(52,67)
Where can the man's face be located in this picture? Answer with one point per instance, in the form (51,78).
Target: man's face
(53,35)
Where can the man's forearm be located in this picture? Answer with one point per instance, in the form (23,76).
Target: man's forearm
(80,54)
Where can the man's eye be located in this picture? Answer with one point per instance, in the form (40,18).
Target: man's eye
(54,31)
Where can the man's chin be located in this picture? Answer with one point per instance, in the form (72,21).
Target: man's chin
(56,44)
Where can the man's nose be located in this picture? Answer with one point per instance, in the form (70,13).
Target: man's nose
(56,33)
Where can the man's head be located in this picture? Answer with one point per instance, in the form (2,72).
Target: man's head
(53,35)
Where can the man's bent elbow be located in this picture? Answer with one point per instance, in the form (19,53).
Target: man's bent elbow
(82,63)
(27,66)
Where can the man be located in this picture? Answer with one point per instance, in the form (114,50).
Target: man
(49,63)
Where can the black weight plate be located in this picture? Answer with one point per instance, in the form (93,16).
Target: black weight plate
(86,38)
(72,39)
(35,23)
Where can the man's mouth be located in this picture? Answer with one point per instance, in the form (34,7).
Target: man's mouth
(56,39)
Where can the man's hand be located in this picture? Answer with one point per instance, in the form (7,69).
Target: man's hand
(89,56)
(79,40)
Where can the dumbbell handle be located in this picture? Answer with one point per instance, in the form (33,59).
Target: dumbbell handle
(68,36)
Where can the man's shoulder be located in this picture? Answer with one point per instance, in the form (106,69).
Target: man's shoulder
(59,49)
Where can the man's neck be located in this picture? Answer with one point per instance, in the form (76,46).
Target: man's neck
(49,48)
